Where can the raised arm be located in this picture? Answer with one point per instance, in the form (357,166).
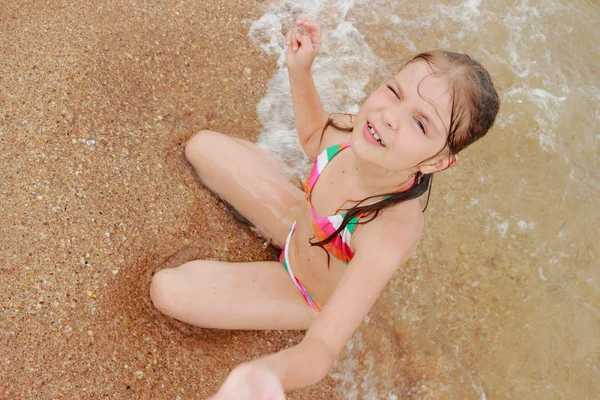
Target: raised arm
(303,43)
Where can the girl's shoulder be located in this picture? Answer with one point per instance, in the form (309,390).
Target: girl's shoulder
(333,135)
(403,220)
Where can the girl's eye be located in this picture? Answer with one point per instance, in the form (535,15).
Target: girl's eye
(421,126)
(393,91)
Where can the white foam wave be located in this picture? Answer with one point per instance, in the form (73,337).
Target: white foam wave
(341,72)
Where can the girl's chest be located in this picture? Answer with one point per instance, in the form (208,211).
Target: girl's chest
(320,269)
(310,263)
(329,193)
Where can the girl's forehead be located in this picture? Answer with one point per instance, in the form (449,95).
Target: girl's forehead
(418,78)
(420,75)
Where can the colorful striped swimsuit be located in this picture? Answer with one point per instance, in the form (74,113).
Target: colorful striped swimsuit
(323,227)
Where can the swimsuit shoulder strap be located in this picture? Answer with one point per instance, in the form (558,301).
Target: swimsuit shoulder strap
(320,162)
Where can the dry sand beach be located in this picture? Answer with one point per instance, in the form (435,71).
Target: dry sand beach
(96,101)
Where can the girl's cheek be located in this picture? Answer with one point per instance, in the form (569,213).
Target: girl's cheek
(406,151)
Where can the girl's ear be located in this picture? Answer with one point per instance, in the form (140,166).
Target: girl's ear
(453,160)
(442,163)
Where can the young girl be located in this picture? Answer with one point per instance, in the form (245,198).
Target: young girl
(373,165)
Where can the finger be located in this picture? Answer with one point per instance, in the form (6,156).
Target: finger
(303,20)
(300,40)
(290,39)
(305,41)
(295,40)
(308,25)
(314,30)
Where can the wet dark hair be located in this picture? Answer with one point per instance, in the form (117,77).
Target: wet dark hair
(475,104)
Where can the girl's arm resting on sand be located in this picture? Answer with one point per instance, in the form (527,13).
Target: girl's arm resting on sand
(382,248)
(309,113)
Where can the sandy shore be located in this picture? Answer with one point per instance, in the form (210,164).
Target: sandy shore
(96,101)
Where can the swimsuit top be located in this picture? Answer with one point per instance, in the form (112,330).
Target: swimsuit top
(339,247)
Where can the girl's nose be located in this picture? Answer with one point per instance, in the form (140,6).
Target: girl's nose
(391,118)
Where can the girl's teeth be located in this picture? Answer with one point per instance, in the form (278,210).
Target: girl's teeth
(376,136)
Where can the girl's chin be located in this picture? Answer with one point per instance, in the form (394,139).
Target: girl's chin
(366,152)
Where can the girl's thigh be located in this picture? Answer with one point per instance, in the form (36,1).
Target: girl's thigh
(249,178)
(224,295)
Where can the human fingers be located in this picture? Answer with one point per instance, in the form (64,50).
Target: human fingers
(287,38)
(295,43)
(291,39)
(301,39)
(313,30)
(300,21)
(305,22)
(305,41)
(308,25)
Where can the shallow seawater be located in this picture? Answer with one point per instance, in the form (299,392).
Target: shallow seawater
(501,299)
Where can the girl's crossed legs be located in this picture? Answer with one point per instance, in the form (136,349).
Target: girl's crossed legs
(251,295)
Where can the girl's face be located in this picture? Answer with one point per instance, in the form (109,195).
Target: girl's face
(405,122)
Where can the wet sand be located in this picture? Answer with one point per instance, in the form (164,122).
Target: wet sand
(96,102)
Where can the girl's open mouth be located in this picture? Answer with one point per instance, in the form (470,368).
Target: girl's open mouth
(372,136)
